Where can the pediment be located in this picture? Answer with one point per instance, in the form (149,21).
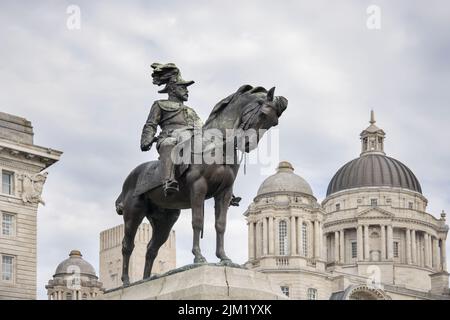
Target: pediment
(375,213)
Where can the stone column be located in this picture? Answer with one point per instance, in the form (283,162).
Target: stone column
(310,235)
(408,246)
(336,246)
(293,245)
(324,247)
(432,259)
(258,240)
(390,243)
(264,237)
(427,250)
(366,243)
(251,241)
(300,236)
(271,239)
(413,247)
(436,260)
(443,255)
(419,251)
(383,242)
(321,256)
(432,252)
(342,246)
(359,243)
(316,240)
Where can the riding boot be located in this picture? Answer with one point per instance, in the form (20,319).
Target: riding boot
(170,185)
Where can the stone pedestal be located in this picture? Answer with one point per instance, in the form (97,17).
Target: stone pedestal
(201,282)
(439,283)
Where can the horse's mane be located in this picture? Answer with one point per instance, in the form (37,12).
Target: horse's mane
(247,95)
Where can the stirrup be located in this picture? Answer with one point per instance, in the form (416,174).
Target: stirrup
(235,201)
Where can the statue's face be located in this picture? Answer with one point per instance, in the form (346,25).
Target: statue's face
(180,92)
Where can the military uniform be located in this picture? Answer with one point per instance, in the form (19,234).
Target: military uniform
(174,118)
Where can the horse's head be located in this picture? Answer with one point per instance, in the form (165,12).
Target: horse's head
(259,115)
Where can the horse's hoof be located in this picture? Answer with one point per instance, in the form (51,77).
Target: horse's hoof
(226,262)
(200,260)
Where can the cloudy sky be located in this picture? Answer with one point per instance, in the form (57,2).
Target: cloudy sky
(88,91)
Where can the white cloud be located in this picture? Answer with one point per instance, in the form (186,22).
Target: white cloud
(88,93)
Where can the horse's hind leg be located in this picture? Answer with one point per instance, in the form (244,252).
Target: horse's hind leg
(132,219)
(222,201)
(162,222)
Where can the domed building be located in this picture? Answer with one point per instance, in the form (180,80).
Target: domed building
(371,238)
(74,279)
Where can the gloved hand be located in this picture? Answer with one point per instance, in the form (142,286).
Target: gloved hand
(146,146)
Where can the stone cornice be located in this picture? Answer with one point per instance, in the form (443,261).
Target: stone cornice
(394,221)
(31,153)
(284,193)
(372,189)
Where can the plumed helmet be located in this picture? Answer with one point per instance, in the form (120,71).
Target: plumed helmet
(167,74)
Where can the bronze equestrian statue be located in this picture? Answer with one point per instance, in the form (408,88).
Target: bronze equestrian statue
(159,189)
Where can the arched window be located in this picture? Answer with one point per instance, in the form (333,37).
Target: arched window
(68,296)
(282,236)
(305,239)
(84,296)
(312,294)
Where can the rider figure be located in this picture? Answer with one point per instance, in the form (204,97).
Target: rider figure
(172,116)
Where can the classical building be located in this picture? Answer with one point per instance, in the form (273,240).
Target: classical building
(370,238)
(21,166)
(111,255)
(74,279)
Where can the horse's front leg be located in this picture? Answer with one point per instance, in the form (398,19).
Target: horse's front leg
(198,193)
(222,202)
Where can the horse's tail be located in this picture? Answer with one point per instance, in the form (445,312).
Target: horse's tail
(119,205)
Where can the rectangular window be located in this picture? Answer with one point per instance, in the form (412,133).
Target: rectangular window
(312,294)
(410,205)
(373,202)
(7,268)
(354,249)
(285,290)
(283,238)
(388,200)
(395,249)
(338,206)
(8,224)
(7,182)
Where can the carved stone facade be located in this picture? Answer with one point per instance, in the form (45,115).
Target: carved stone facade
(21,165)
(371,238)
(111,255)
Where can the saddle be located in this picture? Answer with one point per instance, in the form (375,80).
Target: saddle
(150,177)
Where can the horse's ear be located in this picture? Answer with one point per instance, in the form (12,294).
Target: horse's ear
(270,94)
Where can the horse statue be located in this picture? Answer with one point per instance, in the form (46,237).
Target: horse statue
(251,110)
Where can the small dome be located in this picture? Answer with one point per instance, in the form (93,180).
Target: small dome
(373,170)
(75,263)
(285,180)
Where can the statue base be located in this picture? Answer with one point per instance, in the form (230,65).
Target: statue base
(201,282)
